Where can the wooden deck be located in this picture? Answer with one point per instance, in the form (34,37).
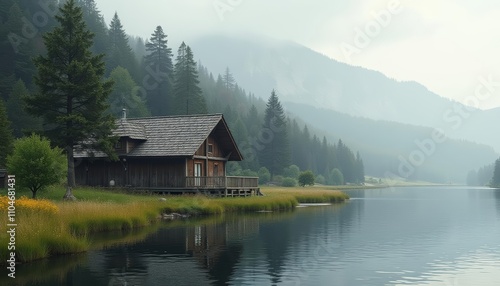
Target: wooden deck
(230,186)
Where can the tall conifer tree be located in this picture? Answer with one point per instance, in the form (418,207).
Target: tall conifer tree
(96,24)
(6,139)
(188,95)
(72,96)
(22,122)
(119,51)
(275,153)
(495,181)
(159,70)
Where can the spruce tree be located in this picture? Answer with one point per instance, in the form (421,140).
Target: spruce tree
(159,68)
(360,169)
(22,122)
(495,181)
(72,96)
(275,153)
(188,95)
(119,52)
(6,140)
(15,50)
(228,79)
(253,121)
(96,24)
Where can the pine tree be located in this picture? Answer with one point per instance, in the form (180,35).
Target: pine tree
(5,135)
(323,158)
(187,94)
(159,68)
(22,122)
(119,51)
(360,169)
(228,79)
(72,96)
(495,181)
(138,47)
(253,121)
(304,142)
(347,163)
(15,51)
(275,155)
(96,24)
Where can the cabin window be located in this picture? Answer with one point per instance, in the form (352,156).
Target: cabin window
(118,145)
(210,148)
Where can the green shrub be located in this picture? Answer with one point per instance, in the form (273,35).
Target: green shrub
(291,171)
(320,180)
(306,178)
(336,177)
(35,164)
(264,175)
(289,182)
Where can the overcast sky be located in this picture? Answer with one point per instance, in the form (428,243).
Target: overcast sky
(447,45)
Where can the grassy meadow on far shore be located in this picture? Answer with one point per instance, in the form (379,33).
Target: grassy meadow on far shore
(50,226)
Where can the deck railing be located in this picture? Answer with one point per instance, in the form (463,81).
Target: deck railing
(222,182)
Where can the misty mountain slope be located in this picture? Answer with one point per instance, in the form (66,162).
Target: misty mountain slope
(302,75)
(382,144)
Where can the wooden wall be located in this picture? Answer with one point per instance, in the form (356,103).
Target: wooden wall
(212,164)
(134,172)
(217,152)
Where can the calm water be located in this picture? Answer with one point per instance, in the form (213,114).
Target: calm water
(401,236)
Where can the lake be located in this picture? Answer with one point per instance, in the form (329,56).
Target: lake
(393,236)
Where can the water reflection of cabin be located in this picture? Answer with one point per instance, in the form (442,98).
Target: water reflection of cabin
(173,154)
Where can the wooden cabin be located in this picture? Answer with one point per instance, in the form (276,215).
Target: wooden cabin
(172,154)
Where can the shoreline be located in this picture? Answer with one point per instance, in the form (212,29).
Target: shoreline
(52,227)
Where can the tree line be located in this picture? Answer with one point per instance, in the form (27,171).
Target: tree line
(488,175)
(143,77)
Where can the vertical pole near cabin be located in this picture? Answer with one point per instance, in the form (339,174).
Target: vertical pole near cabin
(186,172)
(206,157)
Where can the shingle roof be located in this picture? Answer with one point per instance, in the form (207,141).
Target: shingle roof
(132,130)
(174,136)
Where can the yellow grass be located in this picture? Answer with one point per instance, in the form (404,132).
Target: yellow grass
(307,194)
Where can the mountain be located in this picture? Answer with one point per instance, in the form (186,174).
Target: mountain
(301,75)
(395,149)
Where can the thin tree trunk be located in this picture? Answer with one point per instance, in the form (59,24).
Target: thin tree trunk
(70,175)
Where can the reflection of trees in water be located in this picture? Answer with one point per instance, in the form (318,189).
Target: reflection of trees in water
(497,200)
(194,255)
(47,271)
(318,230)
(205,252)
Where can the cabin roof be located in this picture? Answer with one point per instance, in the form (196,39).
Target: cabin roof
(174,136)
(125,128)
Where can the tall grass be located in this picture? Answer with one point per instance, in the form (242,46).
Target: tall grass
(253,204)
(90,217)
(42,234)
(308,195)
